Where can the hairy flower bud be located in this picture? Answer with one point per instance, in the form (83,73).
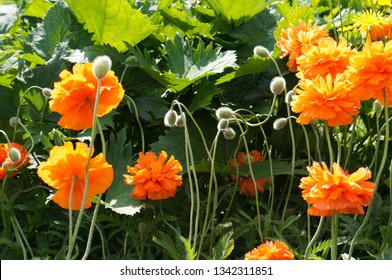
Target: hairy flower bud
(46,92)
(170,118)
(279,123)
(14,154)
(224,113)
(223,124)
(229,133)
(377,106)
(131,61)
(181,120)
(288,98)
(14,121)
(261,51)
(278,85)
(101,66)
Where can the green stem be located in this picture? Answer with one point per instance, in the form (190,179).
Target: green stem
(70,219)
(334,229)
(314,238)
(378,177)
(331,153)
(138,120)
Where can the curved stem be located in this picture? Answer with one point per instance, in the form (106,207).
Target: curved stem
(137,120)
(314,238)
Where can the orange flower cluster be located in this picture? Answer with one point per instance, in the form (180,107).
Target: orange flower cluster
(325,99)
(271,250)
(7,166)
(154,178)
(370,72)
(336,192)
(66,167)
(245,184)
(296,40)
(74,96)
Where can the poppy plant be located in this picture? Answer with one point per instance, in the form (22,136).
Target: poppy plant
(74,96)
(270,250)
(65,171)
(7,165)
(336,191)
(245,184)
(154,177)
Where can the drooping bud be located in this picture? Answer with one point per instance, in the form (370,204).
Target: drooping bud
(14,121)
(101,66)
(279,123)
(181,120)
(170,118)
(229,133)
(278,85)
(46,92)
(223,124)
(131,61)
(377,106)
(14,154)
(224,113)
(261,51)
(289,96)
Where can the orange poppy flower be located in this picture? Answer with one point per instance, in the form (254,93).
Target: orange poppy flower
(74,96)
(370,71)
(9,166)
(270,250)
(327,57)
(66,164)
(154,178)
(245,184)
(296,40)
(325,99)
(337,191)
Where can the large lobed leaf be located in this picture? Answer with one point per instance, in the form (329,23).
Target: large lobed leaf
(112,22)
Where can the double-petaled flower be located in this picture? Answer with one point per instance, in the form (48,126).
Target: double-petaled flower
(337,191)
(154,176)
(270,250)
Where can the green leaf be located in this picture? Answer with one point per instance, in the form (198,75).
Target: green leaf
(224,247)
(8,16)
(112,22)
(119,155)
(203,93)
(252,66)
(9,65)
(262,169)
(37,8)
(237,11)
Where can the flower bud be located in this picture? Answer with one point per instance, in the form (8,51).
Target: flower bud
(14,154)
(14,121)
(142,227)
(278,85)
(261,51)
(229,133)
(224,113)
(181,120)
(46,92)
(101,66)
(170,118)
(131,61)
(279,123)
(289,96)
(223,124)
(8,166)
(377,106)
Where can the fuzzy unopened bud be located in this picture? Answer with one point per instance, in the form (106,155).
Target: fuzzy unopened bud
(289,96)
(377,106)
(14,121)
(261,51)
(46,92)
(8,165)
(142,227)
(14,154)
(224,113)
(131,61)
(278,85)
(181,120)
(279,123)
(229,133)
(223,124)
(170,118)
(101,66)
